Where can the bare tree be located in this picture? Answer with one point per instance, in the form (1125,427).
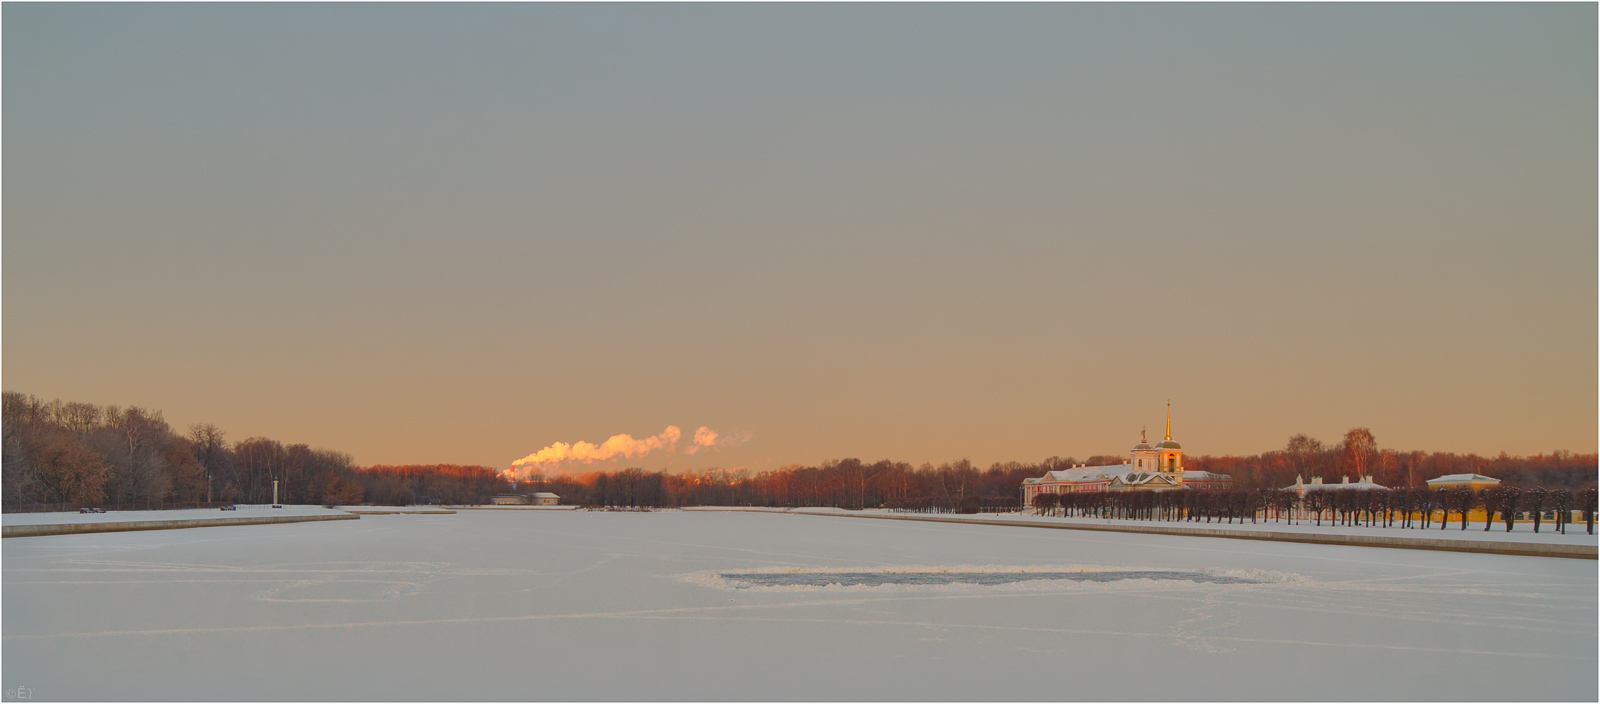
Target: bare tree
(210,447)
(1305,454)
(69,472)
(1359,451)
(134,442)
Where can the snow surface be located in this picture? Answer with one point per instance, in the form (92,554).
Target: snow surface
(37,519)
(1523,532)
(577,605)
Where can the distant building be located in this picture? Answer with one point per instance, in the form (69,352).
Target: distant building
(1149,468)
(545,498)
(1363,484)
(509,500)
(1477,482)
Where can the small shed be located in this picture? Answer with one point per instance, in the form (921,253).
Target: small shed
(545,498)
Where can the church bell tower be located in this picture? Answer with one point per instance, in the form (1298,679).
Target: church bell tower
(1169,454)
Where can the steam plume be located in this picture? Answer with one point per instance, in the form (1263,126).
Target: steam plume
(706,438)
(622,445)
(562,456)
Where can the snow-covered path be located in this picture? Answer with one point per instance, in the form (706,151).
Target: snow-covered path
(581,605)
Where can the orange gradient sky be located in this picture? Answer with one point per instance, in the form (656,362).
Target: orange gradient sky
(463,233)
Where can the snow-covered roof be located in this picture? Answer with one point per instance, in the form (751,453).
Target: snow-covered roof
(1463,478)
(1087,474)
(1141,478)
(1197,475)
(1364,486)
(544,495)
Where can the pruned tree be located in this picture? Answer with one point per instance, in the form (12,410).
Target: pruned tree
(1535,500)
(1466,500)
(1560,501)
(1045,502)
(1316,502)
(1586,501)
(1510,498)
(1491,498)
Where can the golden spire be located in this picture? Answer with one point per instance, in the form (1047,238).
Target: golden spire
(1169,419)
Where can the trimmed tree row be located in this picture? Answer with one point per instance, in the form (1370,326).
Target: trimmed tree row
(1404,508)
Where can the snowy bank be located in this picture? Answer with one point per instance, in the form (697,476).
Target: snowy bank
(392,510)
(1578,545)
(19,525)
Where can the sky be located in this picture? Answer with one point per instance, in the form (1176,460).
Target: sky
(426,233)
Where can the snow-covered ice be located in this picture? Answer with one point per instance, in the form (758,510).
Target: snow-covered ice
(35,519)
(568,605)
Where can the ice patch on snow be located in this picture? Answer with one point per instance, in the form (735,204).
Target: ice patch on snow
(344,590)
(980,577)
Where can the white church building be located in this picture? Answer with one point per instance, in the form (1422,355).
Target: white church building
(1149,468)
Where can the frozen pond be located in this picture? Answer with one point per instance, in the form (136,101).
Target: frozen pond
(569,605)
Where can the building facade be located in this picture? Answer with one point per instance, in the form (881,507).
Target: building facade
(1156,467)
(1300,487)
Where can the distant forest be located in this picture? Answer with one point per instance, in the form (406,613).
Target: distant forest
(80,454)
(85,455)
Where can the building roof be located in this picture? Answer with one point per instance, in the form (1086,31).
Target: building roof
(1318,485)
(1197,475)
(1169,444)
(544,495)
(1087,474)
(1463,478)
(1142,478)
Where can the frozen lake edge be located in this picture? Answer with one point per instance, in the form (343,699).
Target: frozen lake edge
(443,607)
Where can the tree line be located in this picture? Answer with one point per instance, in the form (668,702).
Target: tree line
(847,483)
(68,454)
(1402,508)
(1358,455)
(961,486)
(399,485)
